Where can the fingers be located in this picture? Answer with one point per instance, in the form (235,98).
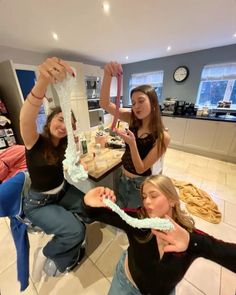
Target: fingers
(114,69)
(54,70)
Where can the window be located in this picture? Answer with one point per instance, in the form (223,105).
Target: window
(218,83)
(152,78)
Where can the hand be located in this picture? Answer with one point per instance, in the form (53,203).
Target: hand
(127,136)
(177,239)
(94,197)
(113,69)
(54,70)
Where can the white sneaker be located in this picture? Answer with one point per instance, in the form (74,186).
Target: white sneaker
(38,264)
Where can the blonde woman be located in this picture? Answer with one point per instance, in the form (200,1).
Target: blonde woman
(155,262)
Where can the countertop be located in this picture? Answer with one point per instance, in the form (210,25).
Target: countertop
(102,164)
(209,118)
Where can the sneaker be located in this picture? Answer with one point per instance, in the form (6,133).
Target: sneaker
(51,269)
(38,264)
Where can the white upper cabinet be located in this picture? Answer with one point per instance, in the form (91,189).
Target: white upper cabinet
(79,90)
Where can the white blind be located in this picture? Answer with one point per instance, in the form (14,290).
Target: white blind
(152,78)
(226,71)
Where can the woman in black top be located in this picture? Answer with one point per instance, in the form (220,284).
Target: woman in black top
(157,261)
(51,203)
(146,140)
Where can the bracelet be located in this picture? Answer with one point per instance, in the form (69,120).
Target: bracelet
(31,92)
(33,104)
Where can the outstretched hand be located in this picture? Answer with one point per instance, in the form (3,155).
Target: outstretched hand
(94,197)
(177,239)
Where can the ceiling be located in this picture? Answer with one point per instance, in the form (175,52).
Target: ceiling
(139,29)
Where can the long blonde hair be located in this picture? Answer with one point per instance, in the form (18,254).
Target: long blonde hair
(165,185)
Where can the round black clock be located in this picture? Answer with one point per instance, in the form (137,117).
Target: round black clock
(181,74)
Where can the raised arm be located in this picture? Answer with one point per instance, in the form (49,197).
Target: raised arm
(112,69)
(51,71)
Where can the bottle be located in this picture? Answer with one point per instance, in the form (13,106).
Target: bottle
(84,147)
(100,125)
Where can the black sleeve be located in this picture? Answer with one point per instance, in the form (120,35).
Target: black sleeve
(105,215)
(203,245)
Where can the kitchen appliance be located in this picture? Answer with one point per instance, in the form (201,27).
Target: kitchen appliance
(179,108)
(169,106)
(190,109)
(92,87)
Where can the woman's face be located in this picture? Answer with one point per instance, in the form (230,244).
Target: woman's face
(57,127)
(141,105)
(155,202)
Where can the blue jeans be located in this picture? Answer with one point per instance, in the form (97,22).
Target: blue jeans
(120,284)
(55,214)
(129,192)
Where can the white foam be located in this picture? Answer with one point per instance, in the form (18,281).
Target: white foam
(163,224)
(75,171)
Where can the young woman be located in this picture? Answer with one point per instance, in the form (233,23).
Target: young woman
(146,140)
(155,262)
(51,202)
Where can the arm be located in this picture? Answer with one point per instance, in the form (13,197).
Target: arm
(95,209)
(151,158)
(210,248)
(51,71)
(111,69)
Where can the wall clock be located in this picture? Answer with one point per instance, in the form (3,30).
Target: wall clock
(181,74)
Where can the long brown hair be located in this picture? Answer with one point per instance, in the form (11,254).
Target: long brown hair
(166,186)
(156,126)
(50,155)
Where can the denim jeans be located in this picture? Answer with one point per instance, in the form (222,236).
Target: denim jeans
(129,192)
(120,284)
(55,214)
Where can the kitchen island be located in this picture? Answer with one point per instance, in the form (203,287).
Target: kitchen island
(104,168)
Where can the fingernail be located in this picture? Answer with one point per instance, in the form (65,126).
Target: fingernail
(73,74)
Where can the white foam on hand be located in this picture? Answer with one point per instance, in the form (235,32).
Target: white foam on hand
(163,224)
(76,171)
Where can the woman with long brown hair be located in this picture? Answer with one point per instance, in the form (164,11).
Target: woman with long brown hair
(146,140)
(51,203)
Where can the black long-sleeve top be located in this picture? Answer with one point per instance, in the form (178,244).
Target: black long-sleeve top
(155,276)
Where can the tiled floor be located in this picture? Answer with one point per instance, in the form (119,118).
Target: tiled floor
(104,247)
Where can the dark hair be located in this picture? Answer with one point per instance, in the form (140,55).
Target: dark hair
(156,125)
(49,148)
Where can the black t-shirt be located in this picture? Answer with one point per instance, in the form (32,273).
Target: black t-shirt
(44,176)
(155,276)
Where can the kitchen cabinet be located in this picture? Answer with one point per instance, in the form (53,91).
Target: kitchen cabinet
(200,134)
(224,135)
(91,71)
(232,148)
(208,138)
(176,128)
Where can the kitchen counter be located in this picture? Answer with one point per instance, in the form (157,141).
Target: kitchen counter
(102,164)
(209,117)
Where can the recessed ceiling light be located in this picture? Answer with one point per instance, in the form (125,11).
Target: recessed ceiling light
(55,36)
(106,7)
(234,35)
(168,48)
(126,57)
